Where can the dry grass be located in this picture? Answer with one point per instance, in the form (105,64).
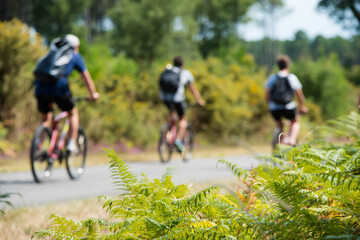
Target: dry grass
(23,222)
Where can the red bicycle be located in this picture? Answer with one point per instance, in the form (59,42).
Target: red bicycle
(48,145)
(167,138)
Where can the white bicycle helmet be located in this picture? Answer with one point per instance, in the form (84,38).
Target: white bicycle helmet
(73,40)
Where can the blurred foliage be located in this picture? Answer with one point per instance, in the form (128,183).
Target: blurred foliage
(60,16)
(325,84)
(19,50)
(4,201)
(217,21)
(134,112)
(141,27)
(345,12)
(302,47)
(234,97)
(6,147)
(129,109)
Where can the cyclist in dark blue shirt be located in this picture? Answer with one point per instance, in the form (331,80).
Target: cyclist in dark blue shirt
(60,93)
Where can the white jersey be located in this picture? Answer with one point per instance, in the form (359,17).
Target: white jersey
(294,83)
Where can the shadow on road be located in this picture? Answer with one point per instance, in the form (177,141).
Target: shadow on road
(16,182)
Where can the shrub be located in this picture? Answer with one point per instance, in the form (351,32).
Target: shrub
(234,97)
(324,83)
(19,50)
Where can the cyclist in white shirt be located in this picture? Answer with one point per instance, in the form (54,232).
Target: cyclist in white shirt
(287,110)
(176,101)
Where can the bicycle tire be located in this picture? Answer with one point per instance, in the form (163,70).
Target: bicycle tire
(188,141)
(41,164)
(276,139)
(165,149)
(75,162)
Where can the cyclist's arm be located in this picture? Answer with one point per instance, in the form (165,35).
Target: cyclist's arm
(267,96)
(90,85)
(196,94)
(300,96)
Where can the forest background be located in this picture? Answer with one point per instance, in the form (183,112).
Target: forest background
(126,44)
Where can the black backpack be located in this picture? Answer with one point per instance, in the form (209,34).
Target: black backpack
(281,92)
(170,80)
(50,67)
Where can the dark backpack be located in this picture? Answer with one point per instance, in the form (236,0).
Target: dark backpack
(50,67)
(169,81)
(281,92)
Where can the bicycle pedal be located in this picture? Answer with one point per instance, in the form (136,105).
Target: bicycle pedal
(51,160)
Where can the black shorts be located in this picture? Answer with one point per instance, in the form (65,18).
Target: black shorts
(179,107)
(288,114)
(45,103)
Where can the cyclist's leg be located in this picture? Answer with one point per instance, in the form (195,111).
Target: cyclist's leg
(294,125)
(74,123)
(277,116)
(181,109)
(172,111)
(182,128)
(45,107)
(67,103)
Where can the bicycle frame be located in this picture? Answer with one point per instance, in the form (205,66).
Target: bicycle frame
(54,135)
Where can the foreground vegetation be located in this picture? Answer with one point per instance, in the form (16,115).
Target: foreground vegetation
(310,192)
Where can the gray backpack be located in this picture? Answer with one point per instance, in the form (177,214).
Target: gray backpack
(50,67)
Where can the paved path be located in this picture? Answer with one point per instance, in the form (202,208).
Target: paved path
(96,180)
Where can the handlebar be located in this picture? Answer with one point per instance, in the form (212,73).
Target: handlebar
(80,99)
(194,105)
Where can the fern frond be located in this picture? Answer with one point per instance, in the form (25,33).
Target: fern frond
(348,125)
(198,197)
(124,180)
(179,191)
(235,169)
(274,160)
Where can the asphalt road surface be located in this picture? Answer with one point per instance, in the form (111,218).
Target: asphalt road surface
(96,180)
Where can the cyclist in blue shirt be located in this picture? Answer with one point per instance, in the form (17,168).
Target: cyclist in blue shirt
(60,93)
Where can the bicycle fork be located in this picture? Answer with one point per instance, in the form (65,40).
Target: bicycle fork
(171,135)
(54,150)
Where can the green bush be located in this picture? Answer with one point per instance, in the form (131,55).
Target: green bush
(129,109)
(134,112)
(324,83)
(234,96)
(19,50)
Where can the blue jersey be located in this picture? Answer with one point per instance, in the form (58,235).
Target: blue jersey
(61,88)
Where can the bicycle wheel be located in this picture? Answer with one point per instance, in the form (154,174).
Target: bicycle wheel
(275,139)
(188,141)
(41,165)
(75,162)
(164,148)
